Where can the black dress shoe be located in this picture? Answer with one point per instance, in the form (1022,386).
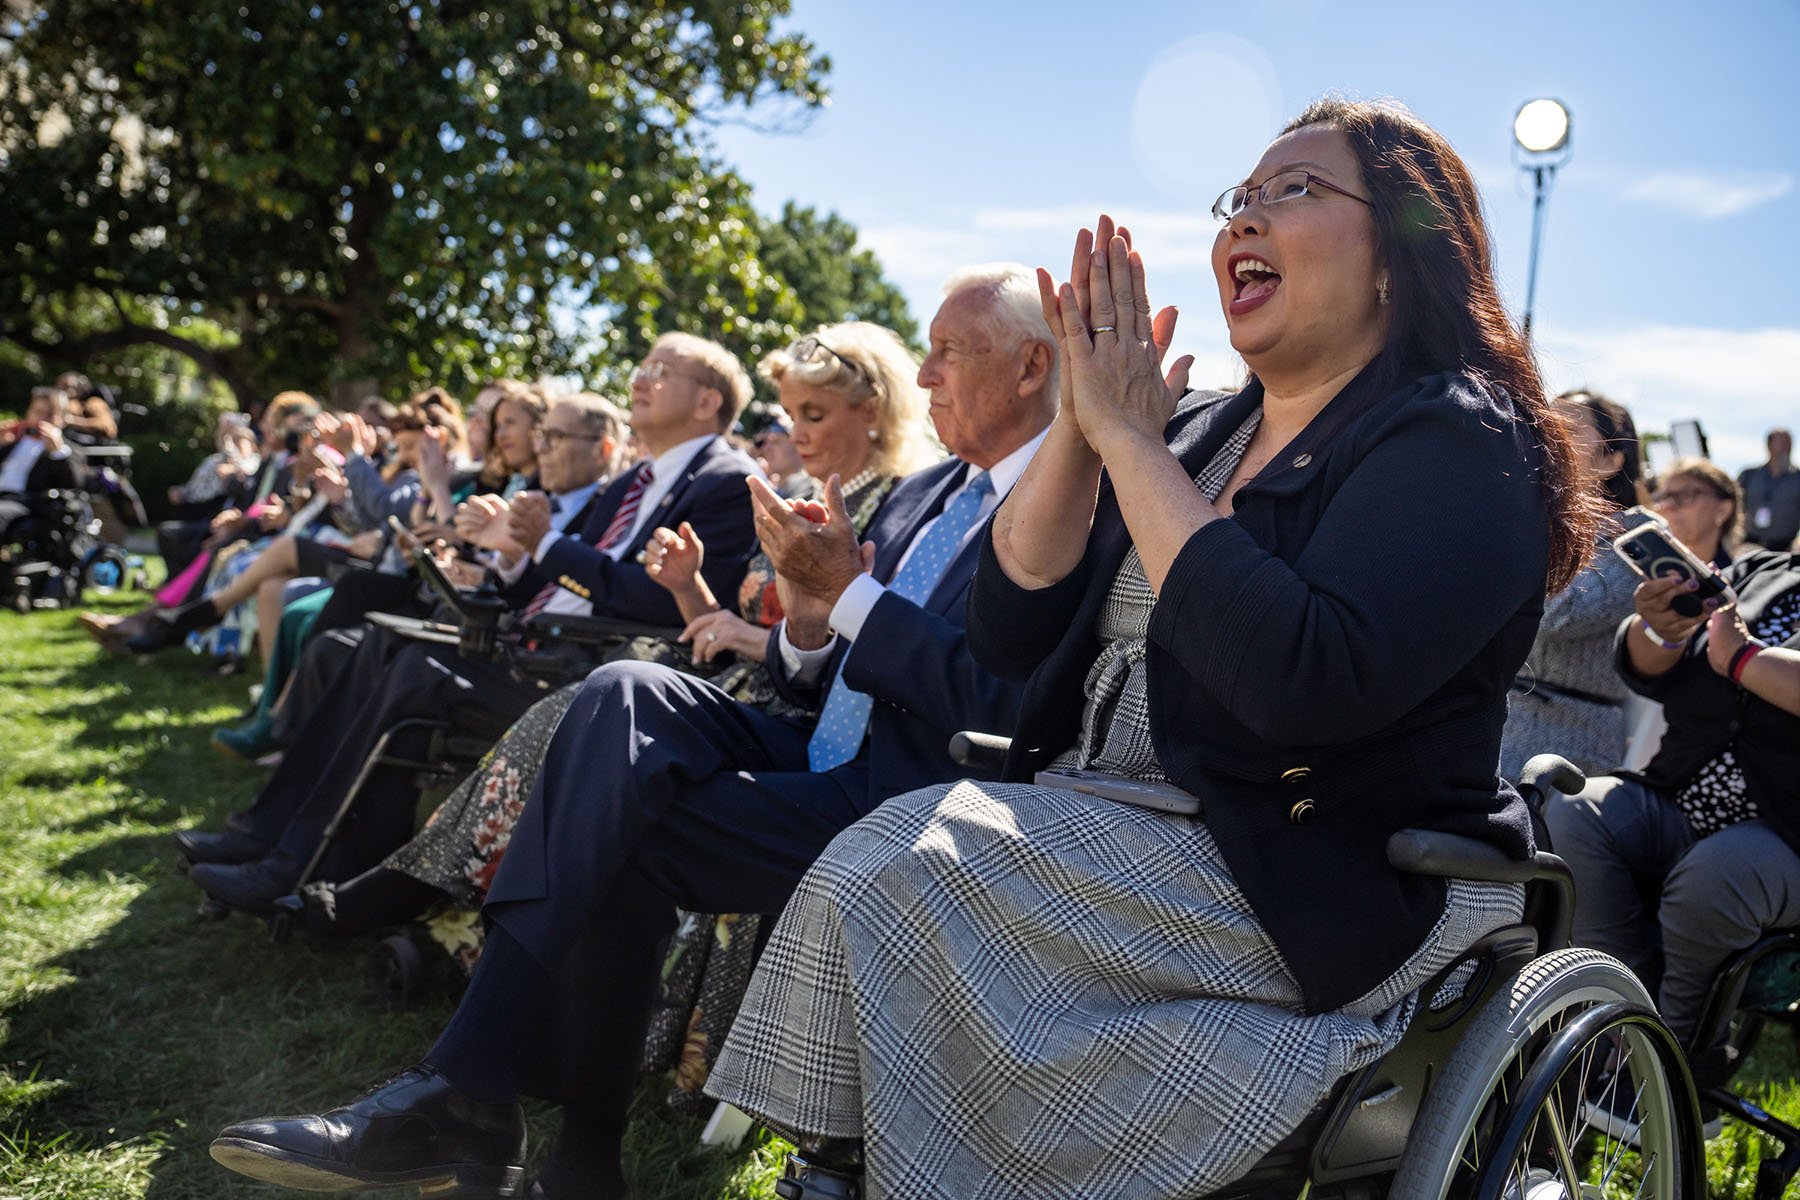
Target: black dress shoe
(198,846)
(414,1129)
(251,887)
(169,626)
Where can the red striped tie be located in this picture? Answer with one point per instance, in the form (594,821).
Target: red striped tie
(628,508)
(619,527)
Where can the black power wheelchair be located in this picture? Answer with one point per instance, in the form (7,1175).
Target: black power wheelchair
(63,555)
(439,751)
(1531,1070)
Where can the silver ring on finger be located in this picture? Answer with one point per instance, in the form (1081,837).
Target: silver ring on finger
(1105,328)
(712,637)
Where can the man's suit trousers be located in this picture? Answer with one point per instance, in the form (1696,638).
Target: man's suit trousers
(658,790)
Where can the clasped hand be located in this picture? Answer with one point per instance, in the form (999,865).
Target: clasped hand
(816,555)
(1113,386)
(484,521)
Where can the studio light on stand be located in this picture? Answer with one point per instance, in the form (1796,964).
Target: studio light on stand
(1540,145)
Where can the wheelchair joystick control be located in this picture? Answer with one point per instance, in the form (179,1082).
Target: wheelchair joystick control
(481,612)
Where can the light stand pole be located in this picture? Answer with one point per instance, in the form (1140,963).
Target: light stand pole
(1540,145)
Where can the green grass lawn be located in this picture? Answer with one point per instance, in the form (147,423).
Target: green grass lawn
(130,1030)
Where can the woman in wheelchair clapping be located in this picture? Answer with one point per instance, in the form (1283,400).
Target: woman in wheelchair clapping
(1302,604)
(1711,828)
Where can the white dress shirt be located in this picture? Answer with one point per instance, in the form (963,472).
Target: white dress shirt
(665,469)
(859,599)
(565,507)
(15,472)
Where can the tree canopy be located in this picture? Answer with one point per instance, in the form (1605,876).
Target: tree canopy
(303,194)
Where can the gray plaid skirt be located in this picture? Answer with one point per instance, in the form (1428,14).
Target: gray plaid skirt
(1015,991)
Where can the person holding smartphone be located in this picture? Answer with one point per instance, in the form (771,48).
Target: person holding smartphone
(33,460)
(1715,816)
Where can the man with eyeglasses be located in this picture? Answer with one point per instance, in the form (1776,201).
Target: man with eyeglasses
(686,393)
(1772,496)
(580,444)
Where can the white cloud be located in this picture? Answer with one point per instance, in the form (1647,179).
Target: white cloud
(1738,383)
(1710,196)
(919,257)
(1707,195)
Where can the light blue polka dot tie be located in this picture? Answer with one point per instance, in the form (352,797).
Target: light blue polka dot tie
(845,717)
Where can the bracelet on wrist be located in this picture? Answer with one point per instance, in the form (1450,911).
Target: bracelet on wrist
(1658,638)
(1741,659)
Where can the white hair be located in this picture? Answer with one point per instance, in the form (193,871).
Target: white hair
(1015,314)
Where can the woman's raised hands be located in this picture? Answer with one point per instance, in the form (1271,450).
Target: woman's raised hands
(1112,346)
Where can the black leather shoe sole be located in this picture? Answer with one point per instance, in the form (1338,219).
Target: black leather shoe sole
(271,1164)
(227,848)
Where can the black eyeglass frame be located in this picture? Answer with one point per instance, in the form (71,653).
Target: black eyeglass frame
(806,347)
(551,437)
(1239,196)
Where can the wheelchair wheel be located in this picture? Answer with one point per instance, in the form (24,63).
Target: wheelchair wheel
(396,973)
(105,570)
(1566,1085)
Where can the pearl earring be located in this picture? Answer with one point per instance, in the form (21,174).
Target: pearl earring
(874,435)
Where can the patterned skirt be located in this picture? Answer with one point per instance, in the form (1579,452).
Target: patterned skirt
(710,957)
(1015,991)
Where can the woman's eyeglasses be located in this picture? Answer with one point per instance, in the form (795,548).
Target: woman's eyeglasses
(808,348)
(1289,185)
(1682,497)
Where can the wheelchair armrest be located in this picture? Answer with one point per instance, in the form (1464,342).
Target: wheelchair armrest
(1552,770)
(107,452)
(597,631)
(1426,852)
(979,751)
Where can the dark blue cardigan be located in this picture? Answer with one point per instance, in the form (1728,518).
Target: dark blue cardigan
(1347,640)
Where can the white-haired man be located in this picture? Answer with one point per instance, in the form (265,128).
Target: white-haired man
(706,803)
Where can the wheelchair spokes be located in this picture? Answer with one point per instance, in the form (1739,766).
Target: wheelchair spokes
(1595,1115)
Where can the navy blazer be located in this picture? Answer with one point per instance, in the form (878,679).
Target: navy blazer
(913,659)
(1329,666)
(710,495)
(47,472)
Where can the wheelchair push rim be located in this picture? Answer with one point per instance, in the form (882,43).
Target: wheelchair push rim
(1518,1106)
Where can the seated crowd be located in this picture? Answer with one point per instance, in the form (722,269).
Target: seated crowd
(1347,598)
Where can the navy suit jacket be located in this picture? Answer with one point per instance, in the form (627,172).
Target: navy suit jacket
(914,659)
(710,495)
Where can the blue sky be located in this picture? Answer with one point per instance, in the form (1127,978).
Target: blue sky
(971,132)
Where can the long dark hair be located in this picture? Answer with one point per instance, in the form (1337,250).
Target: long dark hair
(1445,308)
(1618,433)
